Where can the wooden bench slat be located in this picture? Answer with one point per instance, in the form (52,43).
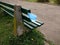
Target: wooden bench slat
(7,12)
(40,22)
(24,16)
(3,6)
(7,4)
(25,11)
(36,23)
(30,23)
(12,12)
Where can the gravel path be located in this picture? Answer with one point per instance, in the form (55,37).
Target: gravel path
(49,14)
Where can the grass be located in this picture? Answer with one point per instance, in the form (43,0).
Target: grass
(6,27)
(28,38)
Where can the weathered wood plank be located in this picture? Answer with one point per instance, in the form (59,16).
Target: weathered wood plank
(18,24)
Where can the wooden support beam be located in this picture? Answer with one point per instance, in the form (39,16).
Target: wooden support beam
(18,24)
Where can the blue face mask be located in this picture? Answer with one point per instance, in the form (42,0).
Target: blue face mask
(32,17)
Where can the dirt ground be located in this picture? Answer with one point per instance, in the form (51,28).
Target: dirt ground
(49,14)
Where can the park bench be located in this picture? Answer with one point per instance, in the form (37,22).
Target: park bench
(9,9)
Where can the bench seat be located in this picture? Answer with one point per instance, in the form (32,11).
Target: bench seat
(32,25)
